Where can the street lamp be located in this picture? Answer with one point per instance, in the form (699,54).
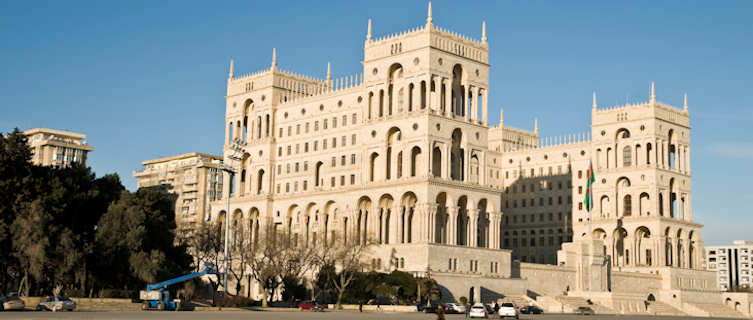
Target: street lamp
(235,148)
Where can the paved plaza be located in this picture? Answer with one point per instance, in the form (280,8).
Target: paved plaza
(293,315)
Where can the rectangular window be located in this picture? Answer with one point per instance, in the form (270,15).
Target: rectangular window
(342,160)
(352,179)
(324,125)
(316,125)
(324,144)
(353,139)
(334,142)
(342,180)
(305,184)
(332,181)
(345,120)
(353,158)
(298,129)
(334,122)
(306,147)
(355,117)
(334,162)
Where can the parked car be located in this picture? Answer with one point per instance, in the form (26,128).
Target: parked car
(432,308)
(56,303)
(586,311)
(454,308)
(531,310)
(507,309)
(478,310)
(11,302)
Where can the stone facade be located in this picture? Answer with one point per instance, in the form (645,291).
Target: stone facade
(403,154)
(195,179)
(59,148)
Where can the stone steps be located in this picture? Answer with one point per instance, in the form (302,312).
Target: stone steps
(574,302)
(663,309)
(718,310)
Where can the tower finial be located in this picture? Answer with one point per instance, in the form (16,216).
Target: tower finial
(594,102)
(653,93)
(368,33)
(685,103)
(274,58)
(483,32)
(329,71)
(230,75)
(536,125)
(502,117)
(428,18)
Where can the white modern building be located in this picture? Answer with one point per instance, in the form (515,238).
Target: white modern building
(732,264)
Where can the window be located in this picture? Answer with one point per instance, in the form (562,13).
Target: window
(324,125)
(353,139)
(355,117)
(627,156)
(352,179)
(353,158)
(627,205)
(332,181)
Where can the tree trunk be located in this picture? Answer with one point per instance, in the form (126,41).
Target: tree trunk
(264,303)
(340,294)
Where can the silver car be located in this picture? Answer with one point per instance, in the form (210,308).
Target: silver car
(56,303)
(11,302)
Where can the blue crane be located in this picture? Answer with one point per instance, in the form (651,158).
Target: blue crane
(156,295)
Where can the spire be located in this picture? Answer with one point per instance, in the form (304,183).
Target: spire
(274,58)
(483,32)
(329,71)
(428,18)
(502,117)
(230,75)
(594,102)
(653,94)
(368,33)
(536,125)
(685,103)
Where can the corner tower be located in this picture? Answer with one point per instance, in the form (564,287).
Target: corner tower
(641,157)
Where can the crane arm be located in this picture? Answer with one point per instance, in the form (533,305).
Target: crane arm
(166,283)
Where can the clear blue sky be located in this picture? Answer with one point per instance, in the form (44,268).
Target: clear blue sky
(145,79)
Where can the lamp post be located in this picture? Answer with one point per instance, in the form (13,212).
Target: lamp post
(235,148)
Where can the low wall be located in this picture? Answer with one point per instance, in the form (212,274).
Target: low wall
(485,289)
(636,282)
(374,308)
(90,303)
(543,279)
(740,301)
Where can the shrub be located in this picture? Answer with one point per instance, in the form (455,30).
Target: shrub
(116,293)
(229,301)
(463,300)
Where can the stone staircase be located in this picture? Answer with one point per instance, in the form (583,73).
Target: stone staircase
(519,301)
(572,303)
(718,310)
(663,309)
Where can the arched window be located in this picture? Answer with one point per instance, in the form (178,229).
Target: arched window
(372,166)
(267,126)
(415,153)
(627,156)
(317,173)
(436,162)
(661,205)
(260,182)
(627,206)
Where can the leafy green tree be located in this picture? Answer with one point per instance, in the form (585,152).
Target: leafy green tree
(135,240)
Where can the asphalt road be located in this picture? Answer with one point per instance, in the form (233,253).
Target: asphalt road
(245,315)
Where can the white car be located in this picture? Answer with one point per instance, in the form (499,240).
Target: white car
(507,309)
(454,308)
(478,310)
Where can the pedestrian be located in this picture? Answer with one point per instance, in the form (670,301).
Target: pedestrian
(496,307)
(440,313)
(467,310)
(360,306)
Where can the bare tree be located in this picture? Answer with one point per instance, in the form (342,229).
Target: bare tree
(240,255)
(206,245)
(347,256)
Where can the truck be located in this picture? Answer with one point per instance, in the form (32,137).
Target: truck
(157,297)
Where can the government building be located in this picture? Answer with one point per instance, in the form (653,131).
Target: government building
(403,155)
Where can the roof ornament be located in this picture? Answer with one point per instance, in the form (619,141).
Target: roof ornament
(483,32)
(685,103)
(274,58)
(653,94)
(368,33)
(428,18)
(502,117)
(536,125)
(230,75)
(593,106)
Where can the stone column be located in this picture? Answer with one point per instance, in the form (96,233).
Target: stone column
(466,164)
(446,161)
(395,227)
(427,92)
(473,227)
(466,93)
(494,219)
(485,110)
(431,221)
(474,104)
(447,97)
(687,159)
(452,225)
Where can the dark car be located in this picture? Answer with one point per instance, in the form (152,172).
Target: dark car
(586,311)
(432,308)
(531,310)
